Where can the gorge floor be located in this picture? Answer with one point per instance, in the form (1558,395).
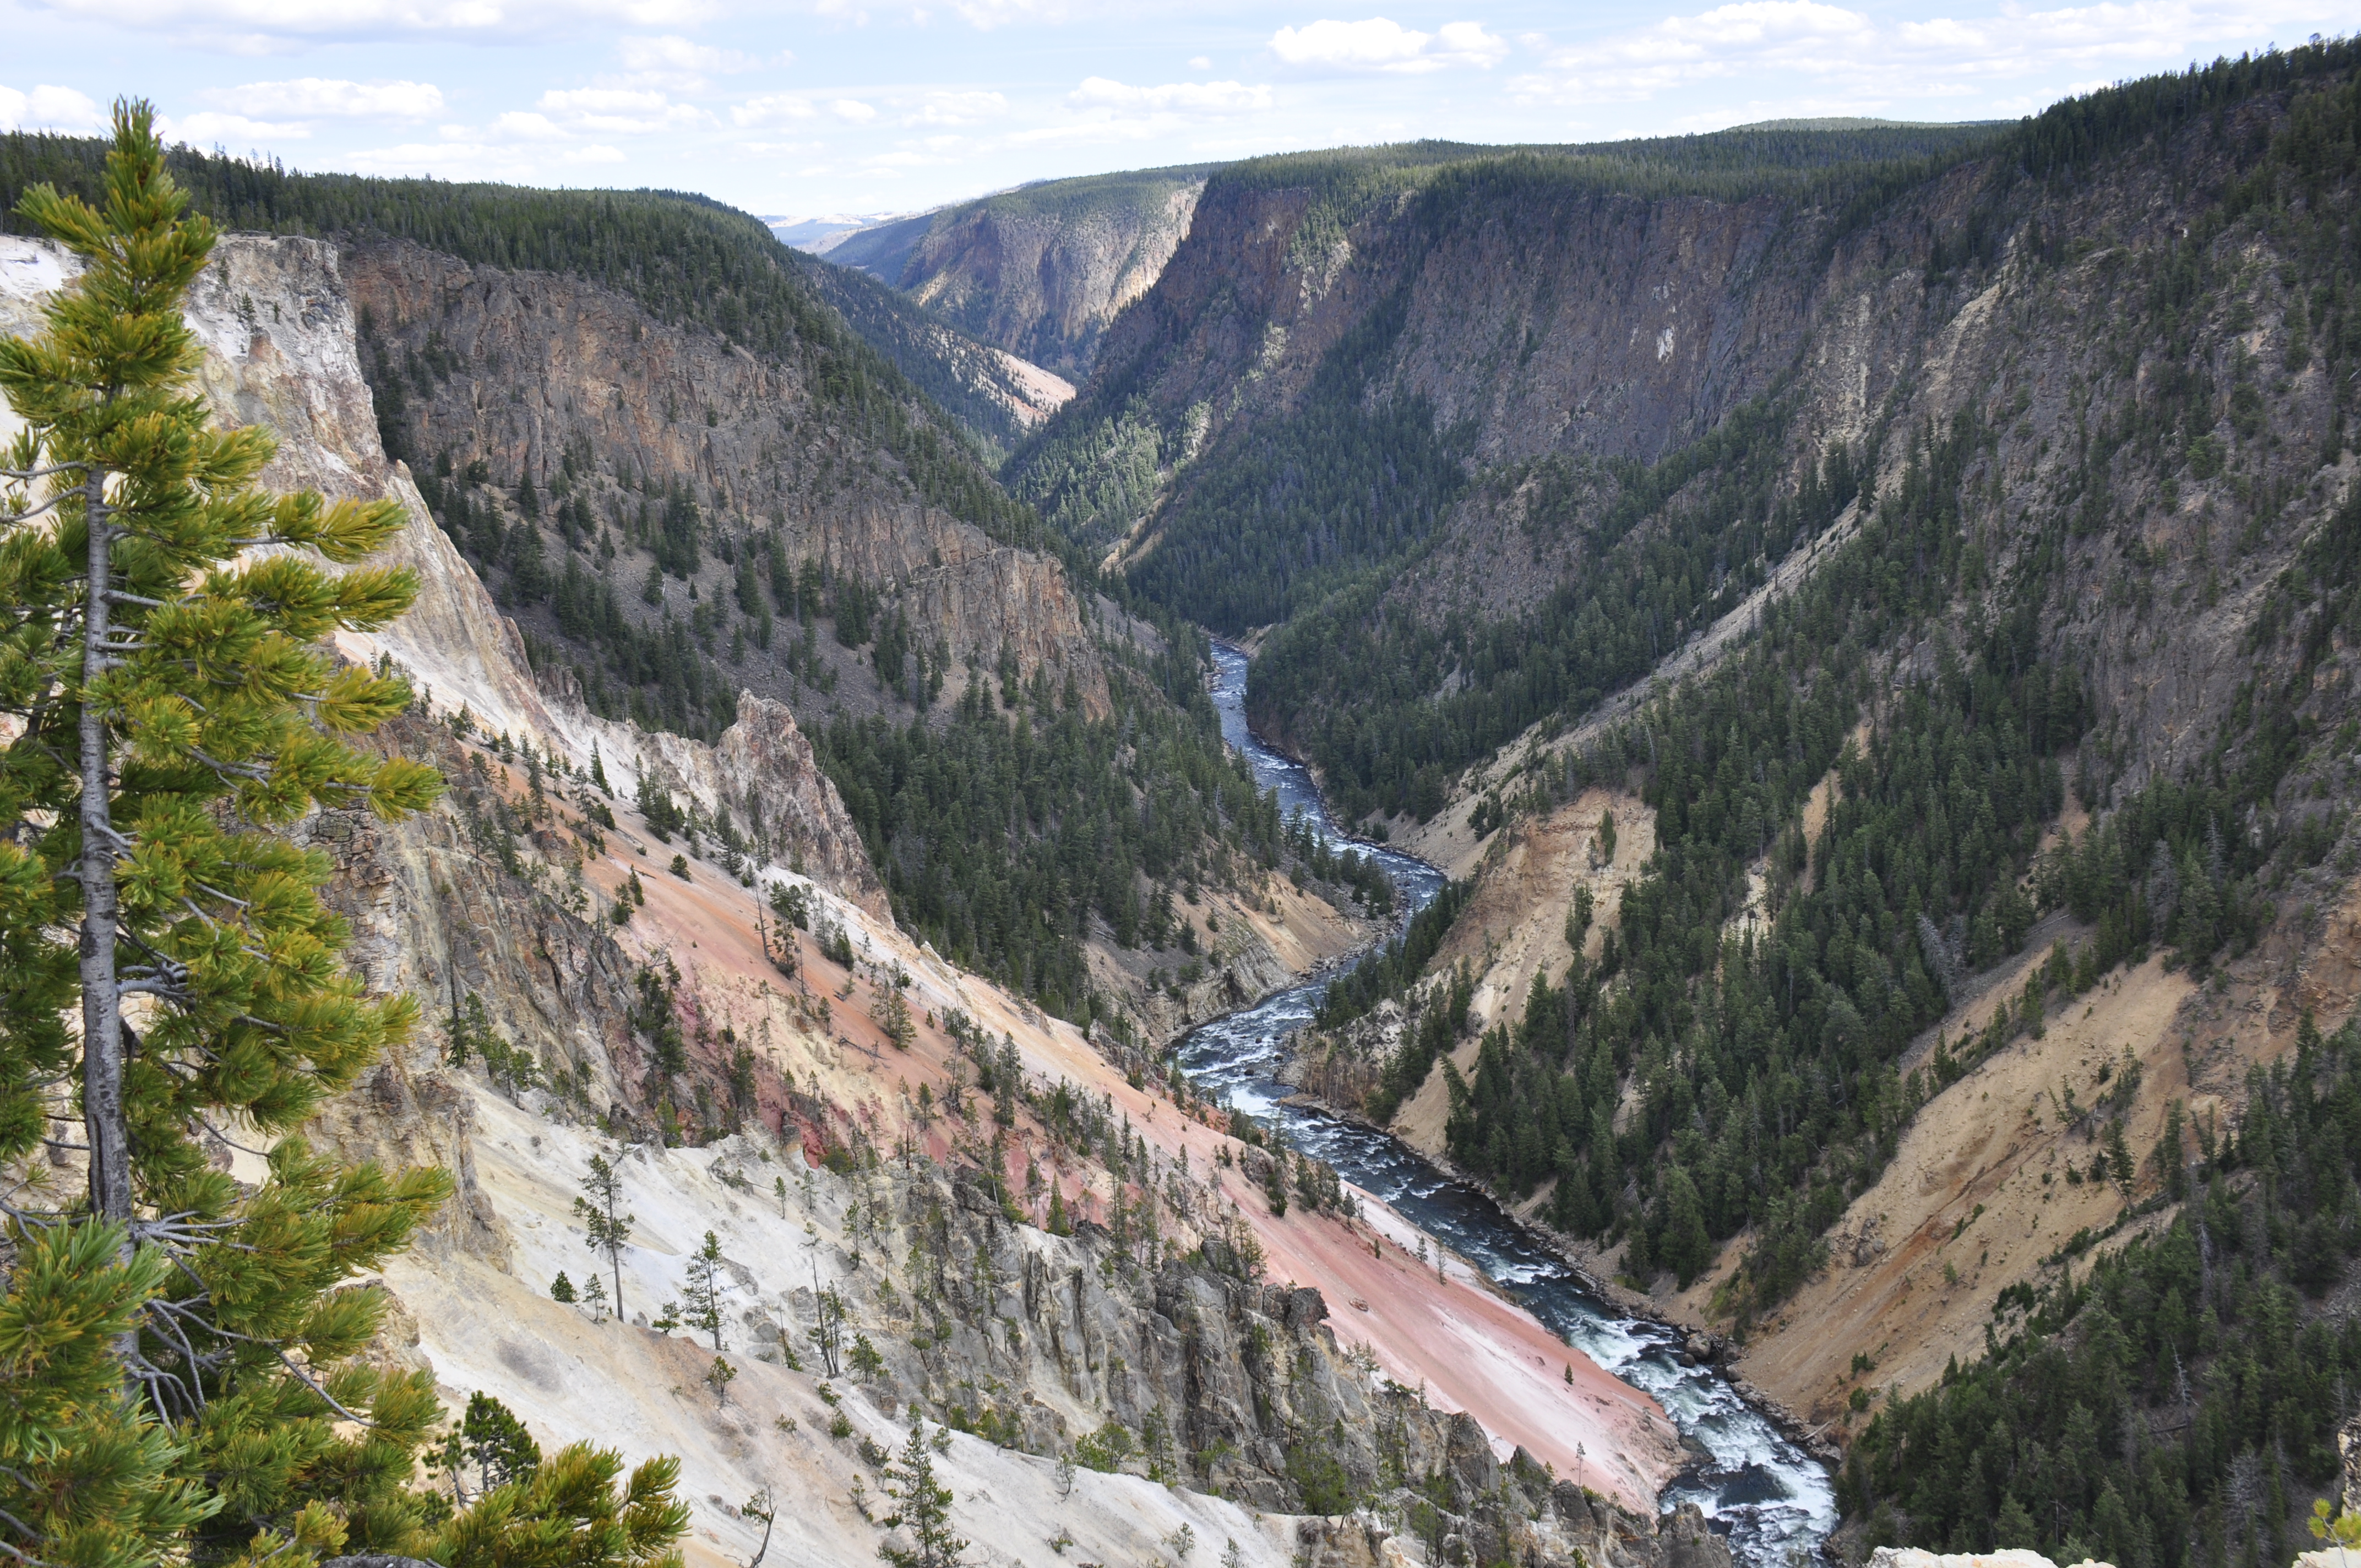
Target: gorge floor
(1768,1496)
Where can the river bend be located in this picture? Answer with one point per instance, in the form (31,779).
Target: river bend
(1769,1497)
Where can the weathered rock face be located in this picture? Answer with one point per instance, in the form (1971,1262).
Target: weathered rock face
(1215,1381)
(438,914)
(763,769)
(1042,272)
(2014,1557)
(539,375)
(1549,322)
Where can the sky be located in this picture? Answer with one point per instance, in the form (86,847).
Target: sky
(835,106)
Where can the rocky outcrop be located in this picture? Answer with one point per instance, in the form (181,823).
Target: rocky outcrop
(1042,271)
(764,772)
(1192,1374)
(614,415)
(467,910)
(2349,1452)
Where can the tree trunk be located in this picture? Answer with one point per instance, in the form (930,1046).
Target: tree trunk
(101,1005)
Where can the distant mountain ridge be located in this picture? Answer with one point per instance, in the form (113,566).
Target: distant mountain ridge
(1040,271)
(817,235)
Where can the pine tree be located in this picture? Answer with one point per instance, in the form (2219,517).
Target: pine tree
(174,708)
(491,1437)
(606,1230)
(922,1506)
(571,1512)
(86,1477)
(896,1022)
(706,1287)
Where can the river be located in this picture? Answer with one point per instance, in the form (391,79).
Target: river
(1771,1500)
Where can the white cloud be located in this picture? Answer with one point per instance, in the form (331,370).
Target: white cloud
(1195,98)
(1378,44)
(262,24)
(517,125)
(236,132)
(772,109)
(595,153)
(1201,62)
(957,109)
(853,111)
(50,109)
(684,65)
(673,53)
(1834,55)
(616,110)
(318,97)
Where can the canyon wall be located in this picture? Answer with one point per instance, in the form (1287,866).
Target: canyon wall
(1560,334)
(737,1070)
(1042,271)
(519,370)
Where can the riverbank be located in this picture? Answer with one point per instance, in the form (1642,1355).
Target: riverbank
(1762,1486)
(1700,1342)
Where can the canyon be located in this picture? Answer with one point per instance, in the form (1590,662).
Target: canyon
(1777,770)
(1192,1329)
(1040,271)
(1634,325)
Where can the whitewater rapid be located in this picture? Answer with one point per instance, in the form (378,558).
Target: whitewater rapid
(1771,1499)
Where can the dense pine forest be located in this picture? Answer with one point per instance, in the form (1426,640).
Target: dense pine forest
(1009,834)
(2168,1406)
(1729,1066)
(684,259)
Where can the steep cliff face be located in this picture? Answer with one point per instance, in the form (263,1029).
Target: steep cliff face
(998,397)
(1042,271)
(2123,394)
(1549,331)
(648,439)
(554,1027)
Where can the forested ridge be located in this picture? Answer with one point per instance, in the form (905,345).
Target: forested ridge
(1010,833)
(684,259)
(1353,681)
(2175,1404)
(1763,1052)
(1731,1065)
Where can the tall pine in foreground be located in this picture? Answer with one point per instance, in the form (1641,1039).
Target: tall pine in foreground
(175,1355)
